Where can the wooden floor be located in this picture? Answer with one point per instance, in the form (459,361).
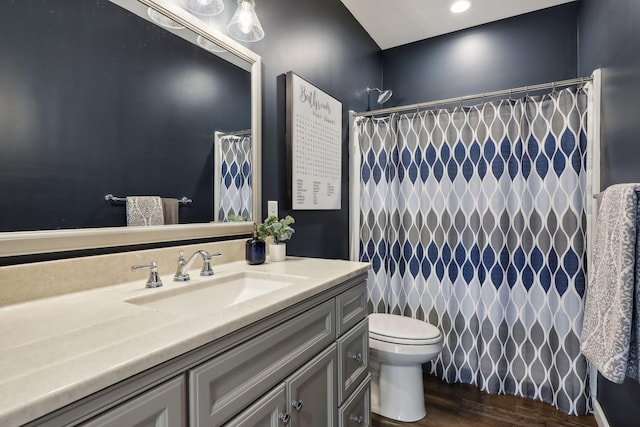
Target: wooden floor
(463,405)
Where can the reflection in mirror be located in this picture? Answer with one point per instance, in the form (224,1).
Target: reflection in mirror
(233,197)
(98,100)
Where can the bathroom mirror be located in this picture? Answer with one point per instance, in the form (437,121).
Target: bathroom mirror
(185,83)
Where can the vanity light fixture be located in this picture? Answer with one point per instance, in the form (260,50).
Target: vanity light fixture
(244,25)
(203,7)
(459,6)
(162,20)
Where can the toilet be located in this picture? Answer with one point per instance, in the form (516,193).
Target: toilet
(398,347)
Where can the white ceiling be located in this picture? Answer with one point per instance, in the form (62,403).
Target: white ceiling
(396,22)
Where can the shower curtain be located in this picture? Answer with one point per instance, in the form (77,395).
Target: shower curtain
(474,219)
(235,178)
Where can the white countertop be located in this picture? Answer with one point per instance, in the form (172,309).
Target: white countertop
(57,350)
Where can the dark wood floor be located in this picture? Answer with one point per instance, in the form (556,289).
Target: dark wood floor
(463,405)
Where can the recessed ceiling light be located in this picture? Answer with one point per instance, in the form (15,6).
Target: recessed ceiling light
(459,6)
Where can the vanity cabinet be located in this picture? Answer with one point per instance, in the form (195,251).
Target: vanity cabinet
(304,366)
(353,359)
(226,384)
(356,411)
(311,392)
(164,405)
(270,411)
(306,398)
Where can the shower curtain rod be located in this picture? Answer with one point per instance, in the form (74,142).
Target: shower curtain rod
(524,89)
(236,133)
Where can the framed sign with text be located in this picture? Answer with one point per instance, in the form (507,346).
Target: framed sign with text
(314,146)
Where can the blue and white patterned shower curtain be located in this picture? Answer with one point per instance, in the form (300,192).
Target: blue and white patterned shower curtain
(474,220)
(236,195)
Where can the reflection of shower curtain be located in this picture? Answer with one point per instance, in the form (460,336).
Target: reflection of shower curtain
(235,179)
(474,219)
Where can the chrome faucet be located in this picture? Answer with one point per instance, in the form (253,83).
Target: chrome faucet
(184,266)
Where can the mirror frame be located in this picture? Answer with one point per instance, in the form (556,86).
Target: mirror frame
(19,243)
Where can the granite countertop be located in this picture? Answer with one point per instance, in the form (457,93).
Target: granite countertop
(57,350)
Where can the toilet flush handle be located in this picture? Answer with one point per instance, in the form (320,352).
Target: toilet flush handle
(357,357)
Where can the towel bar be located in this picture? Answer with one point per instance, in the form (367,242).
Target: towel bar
(113,199)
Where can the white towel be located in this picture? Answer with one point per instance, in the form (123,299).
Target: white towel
(610,327)
(144,210)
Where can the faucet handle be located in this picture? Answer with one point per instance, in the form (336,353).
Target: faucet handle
(206,265)
(181,262)
(181,276)
(154,279)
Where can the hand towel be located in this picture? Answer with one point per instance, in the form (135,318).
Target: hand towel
(610,326)
(170,209)
(144,210)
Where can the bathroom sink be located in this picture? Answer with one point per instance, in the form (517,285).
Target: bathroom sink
(214,294)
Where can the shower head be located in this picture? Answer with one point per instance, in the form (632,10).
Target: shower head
(383,96)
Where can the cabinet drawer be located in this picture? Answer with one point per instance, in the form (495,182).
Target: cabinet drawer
(356,412)
(353,359)
(351,307)
(164,405)
(228,383)
(269,411)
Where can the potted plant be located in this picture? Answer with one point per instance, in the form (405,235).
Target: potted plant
(280,230)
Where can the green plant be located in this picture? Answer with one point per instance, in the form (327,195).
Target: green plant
(237,218)
(279,229)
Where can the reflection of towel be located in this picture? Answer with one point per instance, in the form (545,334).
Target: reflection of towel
(144,210)
(610,328)
(170,210)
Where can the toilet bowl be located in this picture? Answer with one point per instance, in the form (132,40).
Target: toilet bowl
(398,347)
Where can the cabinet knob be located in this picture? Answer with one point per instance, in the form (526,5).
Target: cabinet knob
(359,419)
(356,357)
(285,418)
(297,404)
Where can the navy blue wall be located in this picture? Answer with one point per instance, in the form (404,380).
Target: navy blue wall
(96,100)
(534,48)
(609,40)
(320,41)
(324,44)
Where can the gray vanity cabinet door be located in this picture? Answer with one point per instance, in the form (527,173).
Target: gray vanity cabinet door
(351,308)
(356,412)
(269,411)
(222,387)
(163,406)
(311,392)
(353,359)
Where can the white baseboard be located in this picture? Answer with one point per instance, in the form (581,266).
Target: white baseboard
(598,413)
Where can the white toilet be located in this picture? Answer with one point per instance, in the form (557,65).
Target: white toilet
(398,347)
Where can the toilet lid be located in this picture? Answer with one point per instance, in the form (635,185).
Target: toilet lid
(402,330)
